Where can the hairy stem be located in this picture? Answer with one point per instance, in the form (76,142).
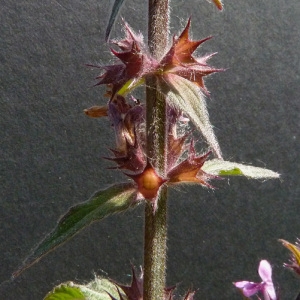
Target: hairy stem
(156,223)
(155,249)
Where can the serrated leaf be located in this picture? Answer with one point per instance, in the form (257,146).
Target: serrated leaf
(116,198)
(187,97)
(114,13)
(227,168)
(65,292)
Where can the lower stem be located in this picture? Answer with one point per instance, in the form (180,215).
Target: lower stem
(155,249)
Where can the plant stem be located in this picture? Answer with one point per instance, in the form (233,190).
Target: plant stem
(155,249)
(155,244)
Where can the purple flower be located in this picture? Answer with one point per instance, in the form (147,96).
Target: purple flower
(266,287)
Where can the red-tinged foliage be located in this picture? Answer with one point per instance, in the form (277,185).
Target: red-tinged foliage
(218,4)
(134,291)
(97,111)
(131,40)
(189,296)
(176,147)
(126,120)
(189,170)
(180,61)
(194,73)
(132,160)
(182,49)
(294,263)
(129,155)
(129,120)
(137,63)
(148,182)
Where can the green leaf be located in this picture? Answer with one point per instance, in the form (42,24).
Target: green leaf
(227,168)
(65,292)
(114,13)
(187,97)
(232,172)
(116,198)
(98,289)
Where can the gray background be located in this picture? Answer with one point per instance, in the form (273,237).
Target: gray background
(50,153)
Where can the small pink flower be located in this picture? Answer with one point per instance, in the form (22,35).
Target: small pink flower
(266,287)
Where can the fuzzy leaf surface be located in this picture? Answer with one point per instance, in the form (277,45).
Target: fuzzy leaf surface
(114,13)
(103,203)
(98,289)
(227,168)
(186,96)
(65,292)
(102,289)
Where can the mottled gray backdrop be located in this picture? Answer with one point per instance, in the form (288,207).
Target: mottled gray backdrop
(51,153)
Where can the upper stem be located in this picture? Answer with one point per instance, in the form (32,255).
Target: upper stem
(156,223)
(158,27)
